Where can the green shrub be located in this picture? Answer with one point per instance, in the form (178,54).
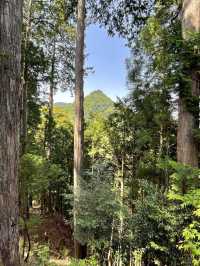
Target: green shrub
(41,254)
(87,262)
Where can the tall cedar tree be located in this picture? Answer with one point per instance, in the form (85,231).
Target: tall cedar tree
(79,114)
(10,93)
(187,150)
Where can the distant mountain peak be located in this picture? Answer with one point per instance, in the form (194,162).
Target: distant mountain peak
(97,92)
(96,102)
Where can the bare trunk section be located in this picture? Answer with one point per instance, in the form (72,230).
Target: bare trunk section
(10,94)
(79,115)
(191,17)
(187,149)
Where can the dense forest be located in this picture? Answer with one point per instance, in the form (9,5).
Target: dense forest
(99,182)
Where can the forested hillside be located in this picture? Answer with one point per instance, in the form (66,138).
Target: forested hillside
(97,182)
(96,102)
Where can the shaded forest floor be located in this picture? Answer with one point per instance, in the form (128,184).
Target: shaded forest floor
(51,237)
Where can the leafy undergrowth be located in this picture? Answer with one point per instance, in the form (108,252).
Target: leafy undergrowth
(51,240)
(57,233)
(87,262)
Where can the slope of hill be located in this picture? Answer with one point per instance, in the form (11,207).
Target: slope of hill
(95,103)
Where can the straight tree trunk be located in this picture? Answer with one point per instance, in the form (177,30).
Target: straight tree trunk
(190,17)
(79,116)
(10,96)
(187,149)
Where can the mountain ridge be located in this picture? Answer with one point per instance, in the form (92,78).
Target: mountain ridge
(94,103)
(91,94)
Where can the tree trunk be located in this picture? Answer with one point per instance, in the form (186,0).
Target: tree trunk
(10,95)
(79,115)
(191,17)
(187,149)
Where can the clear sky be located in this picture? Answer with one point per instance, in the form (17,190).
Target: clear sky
(106,55)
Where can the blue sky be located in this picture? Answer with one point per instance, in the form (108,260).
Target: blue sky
(107,56)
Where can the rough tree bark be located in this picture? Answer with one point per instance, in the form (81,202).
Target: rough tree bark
(79,114)
(10,96)
(187,149)
(190,17)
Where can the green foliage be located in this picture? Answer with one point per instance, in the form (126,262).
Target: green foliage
(41,255)
(98,206)
(53,29)
(97,140)
(121,17)
(191,243)
(171,55)
(137,254)
(153,226)
(35,68)
(196,134)
(37,172)
(87,262)
(190,203)
(31,223)
(34,221)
